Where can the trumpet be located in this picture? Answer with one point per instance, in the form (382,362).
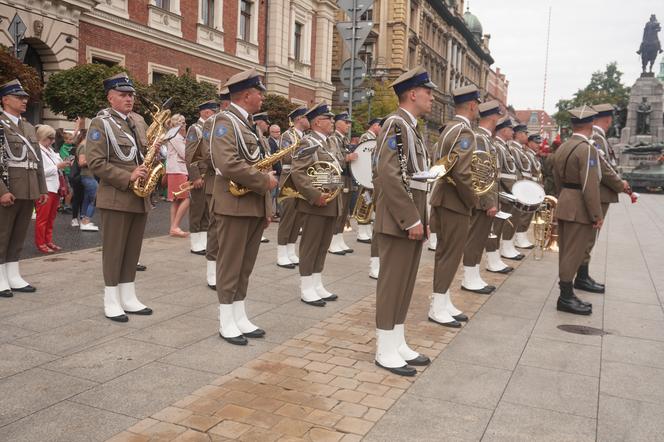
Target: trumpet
(184,188)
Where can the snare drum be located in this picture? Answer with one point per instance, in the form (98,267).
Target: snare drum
(528,195)
(360,168)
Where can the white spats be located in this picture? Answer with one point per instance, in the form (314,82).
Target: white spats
(374,267)
(449,307)
(318,286)
(4,282)
(128,299)
(112,307)
(507,249)
(308,291)
(336,245)
(471,278)
(198,241)
(494,263)
(433,242)
(364,232)
(212,273)
(440,307)
(292,256)
(521,240)
(282,256)
(387,351)
(227,326)
(14,276)
(405,351)
(241,320)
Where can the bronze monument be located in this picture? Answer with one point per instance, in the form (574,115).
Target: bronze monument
(650,45)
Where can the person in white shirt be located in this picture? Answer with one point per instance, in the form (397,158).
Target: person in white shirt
(176,172)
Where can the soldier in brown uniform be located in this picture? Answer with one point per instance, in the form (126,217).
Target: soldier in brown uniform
(21,184)
(262,126)
(342,126)
(578,174)
(486,208)
(452,204)
(530,170)
(401,218)
(610,186)
(199,211)
(290,222)
(503,227)
(372,130)
(114,152)
(318,215)
(234,148)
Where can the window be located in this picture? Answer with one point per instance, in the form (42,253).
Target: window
(207,13)
(533,118)
(366,53)
(368,15)
(157,73)
(101,56)
(163,4)
(158,76)
(245,20)
(298,41)
(98,60)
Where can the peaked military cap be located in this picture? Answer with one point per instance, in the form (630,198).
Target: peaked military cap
(210,104)
(374,121)
(604,110)
(521,128)
(466,93)
(320,109)
(489,108)
(13,87)
(245,80)
(262,116)
(297,112)
(343,116)
(535,137)
(583,114)
(503,123)
(225,95)
(416,77)
(119,82)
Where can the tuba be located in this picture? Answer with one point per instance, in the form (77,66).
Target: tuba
(325,176)
(155,134)
(263,165)
(543,227)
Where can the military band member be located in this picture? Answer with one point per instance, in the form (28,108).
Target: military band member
(199,211)
(342,126)
(372,130)
(364,231)
(525,165)
(234,148)
(401,218)
(21,185)
(503,227)
(262,126)
(610,186)
(290,222)
(432,242)
(452,204)
(486,208)
(577,171)
(319,216)
(114,151)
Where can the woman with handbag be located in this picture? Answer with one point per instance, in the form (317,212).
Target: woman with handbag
(56,185)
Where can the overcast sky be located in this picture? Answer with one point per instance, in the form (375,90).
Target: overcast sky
(586,35)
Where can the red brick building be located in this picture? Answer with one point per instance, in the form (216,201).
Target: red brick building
(538,121)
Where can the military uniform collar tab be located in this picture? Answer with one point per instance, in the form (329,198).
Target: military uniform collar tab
(13,118)
(599,130)
(242,112)
(320,135)
(576,134)
(412,118)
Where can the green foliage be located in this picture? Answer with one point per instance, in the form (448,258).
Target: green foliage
(278,107)
(11,69)
(187,94)
(604,87)
(383,103)
(79,91)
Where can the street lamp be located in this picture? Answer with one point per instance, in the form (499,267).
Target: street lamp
(370,95)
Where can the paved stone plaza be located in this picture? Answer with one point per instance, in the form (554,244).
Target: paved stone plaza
(68,374)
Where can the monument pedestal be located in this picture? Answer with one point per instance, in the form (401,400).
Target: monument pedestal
(653,90)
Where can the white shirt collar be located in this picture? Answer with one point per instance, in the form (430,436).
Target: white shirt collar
(580,135)
(124,117)
(243,112)
(324,137)
(14,119)
(462,118)
(298,132)
(413,120)
(485,130)
(599,130)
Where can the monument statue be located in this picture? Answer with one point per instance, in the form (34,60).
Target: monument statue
(650,45)
(643,117)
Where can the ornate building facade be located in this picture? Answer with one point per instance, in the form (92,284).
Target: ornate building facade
(210,39)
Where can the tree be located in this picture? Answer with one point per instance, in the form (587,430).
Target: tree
(604,87)
(11,68)
(79,91)
(278,107)
(383,103)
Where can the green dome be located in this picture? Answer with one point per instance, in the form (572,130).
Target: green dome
(473,24)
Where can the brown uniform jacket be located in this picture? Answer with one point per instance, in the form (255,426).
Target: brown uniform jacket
(485,143)
(509,172)
(368,135)
(24,184)
(521,159)
(195,167)
(288,138)
(203,159)
(611,184)
(302,182)
(395,210)
(340,145)
(114,191)
(576,163)
(232,163)
(457,139)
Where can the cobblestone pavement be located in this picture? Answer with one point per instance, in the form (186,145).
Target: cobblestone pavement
(510,374)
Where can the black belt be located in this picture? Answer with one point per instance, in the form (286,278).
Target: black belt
(572,186)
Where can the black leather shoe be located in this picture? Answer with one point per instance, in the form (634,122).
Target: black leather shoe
(237,340)
(120,318)
(571,305)
(461,317)
(504,270)
(532,246)
(258,333)
(587,286)
(349,250)
(518,257)
(141,268)
(265,240)
(455,324)
(579,301)
(342,252)
(599,284)
(331,298)
(364,241)
(419,361)
(406,370)
(27,289)
(286,266)
(145,312)
(486,290)
(198,252)
(6,294)
(316,303)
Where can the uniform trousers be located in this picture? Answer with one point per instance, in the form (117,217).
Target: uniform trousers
(591,245)
(239,240)
(573,239)
(453,228)
(343,216)
(199,211)
(317,234)
(399,261)
(524,219)
(14,223)
(374,246)
(480,226)
(212,246)
(290,222)
(122,239)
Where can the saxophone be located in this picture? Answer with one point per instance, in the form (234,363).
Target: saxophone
(263,165)
(155,134)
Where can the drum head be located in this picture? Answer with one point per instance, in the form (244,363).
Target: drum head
(528,192)
(361,167)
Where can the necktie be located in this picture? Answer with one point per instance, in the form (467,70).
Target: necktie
(132,128)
